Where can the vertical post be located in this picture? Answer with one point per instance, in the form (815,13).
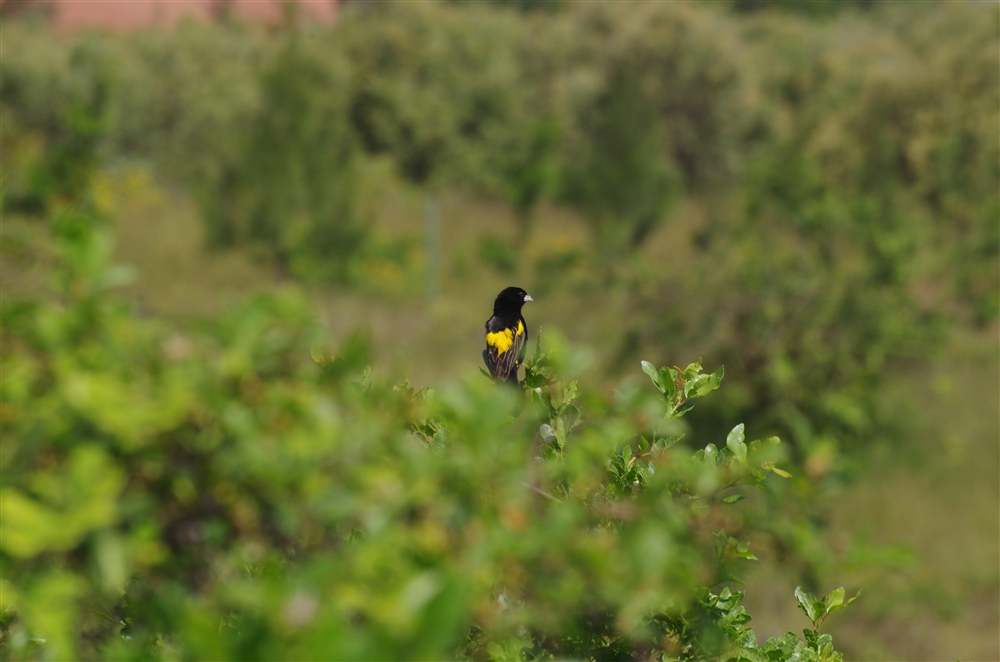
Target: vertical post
(432,248)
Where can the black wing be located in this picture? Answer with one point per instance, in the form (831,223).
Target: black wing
(503,359)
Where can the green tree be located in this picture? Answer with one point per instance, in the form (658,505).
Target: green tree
(292,190)
(618,175)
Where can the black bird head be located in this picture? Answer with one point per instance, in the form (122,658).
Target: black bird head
(510,300)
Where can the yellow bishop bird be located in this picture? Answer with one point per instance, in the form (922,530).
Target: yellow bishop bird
(506,335)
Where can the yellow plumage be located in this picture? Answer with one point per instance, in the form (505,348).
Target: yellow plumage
(504,338)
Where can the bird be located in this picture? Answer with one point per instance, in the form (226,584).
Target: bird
(506,335)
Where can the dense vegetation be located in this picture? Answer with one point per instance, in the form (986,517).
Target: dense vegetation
(237,492)
(232,488)
(826,168)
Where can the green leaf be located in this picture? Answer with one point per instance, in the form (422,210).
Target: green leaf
(781,472)
(743,551)
(79,497)
(703,384)
(721,539)
(668,382)
(671,441)
(840,603)
(692,371)
(735,443)
(680,411)
(807,602)
(570,391)
(834,598)
(654,375)
(734,498)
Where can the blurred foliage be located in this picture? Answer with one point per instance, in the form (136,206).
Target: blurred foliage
(53,165)
(840,160)
(868,137)
(621,179)
(233,491)
(813,8)
(850,243)
(292,188)
(440,98)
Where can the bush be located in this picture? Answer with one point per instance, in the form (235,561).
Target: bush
(446,93)
(841,172)
(291,189)
(56,117)
(214,492)
(824,267)
(884,140)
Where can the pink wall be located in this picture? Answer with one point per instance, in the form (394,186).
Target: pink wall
(69,15)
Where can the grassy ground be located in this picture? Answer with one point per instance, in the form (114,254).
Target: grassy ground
(159,233)
(941,504)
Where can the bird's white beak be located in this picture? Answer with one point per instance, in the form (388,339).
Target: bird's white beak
(527,297)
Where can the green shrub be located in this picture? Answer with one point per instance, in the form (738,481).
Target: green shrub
(841,175)
(189,97)
(620,177)
(823,271)
(886,137)
(444,91)
(56,117)
(818,278)
(291,189)
(230,490)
